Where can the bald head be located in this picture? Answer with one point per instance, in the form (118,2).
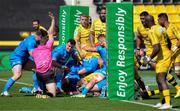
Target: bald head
(149,20)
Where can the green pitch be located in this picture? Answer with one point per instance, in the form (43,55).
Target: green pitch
(25,102)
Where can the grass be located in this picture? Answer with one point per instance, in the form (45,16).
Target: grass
(25,102)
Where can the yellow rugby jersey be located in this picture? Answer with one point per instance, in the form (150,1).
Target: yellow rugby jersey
(157,35)
(144,34)
(173,34)
(98,27)
(82,34)
(42,28)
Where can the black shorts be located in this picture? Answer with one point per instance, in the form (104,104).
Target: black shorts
(29,65)
(47,77)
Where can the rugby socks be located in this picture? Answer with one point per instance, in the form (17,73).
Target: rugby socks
(162,99)
(85,91)
(154,92)
(142,86)
(9,83)
(166,94)
(35,81)
(59,81)
(172,81)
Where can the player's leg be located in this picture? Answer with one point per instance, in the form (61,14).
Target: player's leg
(17,72)
(59,74)
(51,87)
(161,70)
(102,87)
(93,81)
(48,79)
(98,77)
(177,71)
(165,92)
(140,83)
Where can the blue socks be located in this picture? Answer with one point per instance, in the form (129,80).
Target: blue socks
(59,81)
(9,83)
(85,91)
(35,81)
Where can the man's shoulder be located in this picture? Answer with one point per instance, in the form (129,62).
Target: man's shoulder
(97,20)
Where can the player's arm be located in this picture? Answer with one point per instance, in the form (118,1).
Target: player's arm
(92,35)
(75,56)
(90,49)
(177,34)
(138,44)
(155,43)
(76,38)
(82,71)
(51,29)
(91,38)
(156,49)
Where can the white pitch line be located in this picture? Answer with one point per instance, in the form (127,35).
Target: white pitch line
(145,104)
(22,83)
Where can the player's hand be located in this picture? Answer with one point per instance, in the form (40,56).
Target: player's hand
(51,15)
(149,60)
(82,54)
(65,68)
(137,53)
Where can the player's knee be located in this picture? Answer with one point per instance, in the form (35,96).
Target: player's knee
(17,76)
(161,78)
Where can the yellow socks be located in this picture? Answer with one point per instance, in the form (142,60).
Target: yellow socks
(172,81)
(166,94)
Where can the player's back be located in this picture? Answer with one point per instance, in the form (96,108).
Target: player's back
(173,34)
(90,64)
(159,36)
(144,34)
(43,56)
(27,45)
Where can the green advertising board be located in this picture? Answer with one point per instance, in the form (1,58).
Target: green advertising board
(4,61)
(120,51)
(69,18)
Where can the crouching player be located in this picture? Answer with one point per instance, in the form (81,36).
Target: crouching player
(99,75)
(43,59)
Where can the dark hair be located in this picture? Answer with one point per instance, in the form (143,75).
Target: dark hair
(103,8)
(72,41)
(43,32)
(36,20)
(38,33)
(163,15)
(44,40)
(144,13)
(101,35)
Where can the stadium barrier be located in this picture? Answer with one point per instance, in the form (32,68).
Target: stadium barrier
(120,54)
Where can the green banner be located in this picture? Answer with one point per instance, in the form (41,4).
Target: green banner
(120,51)
(4,61)
(69,18)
